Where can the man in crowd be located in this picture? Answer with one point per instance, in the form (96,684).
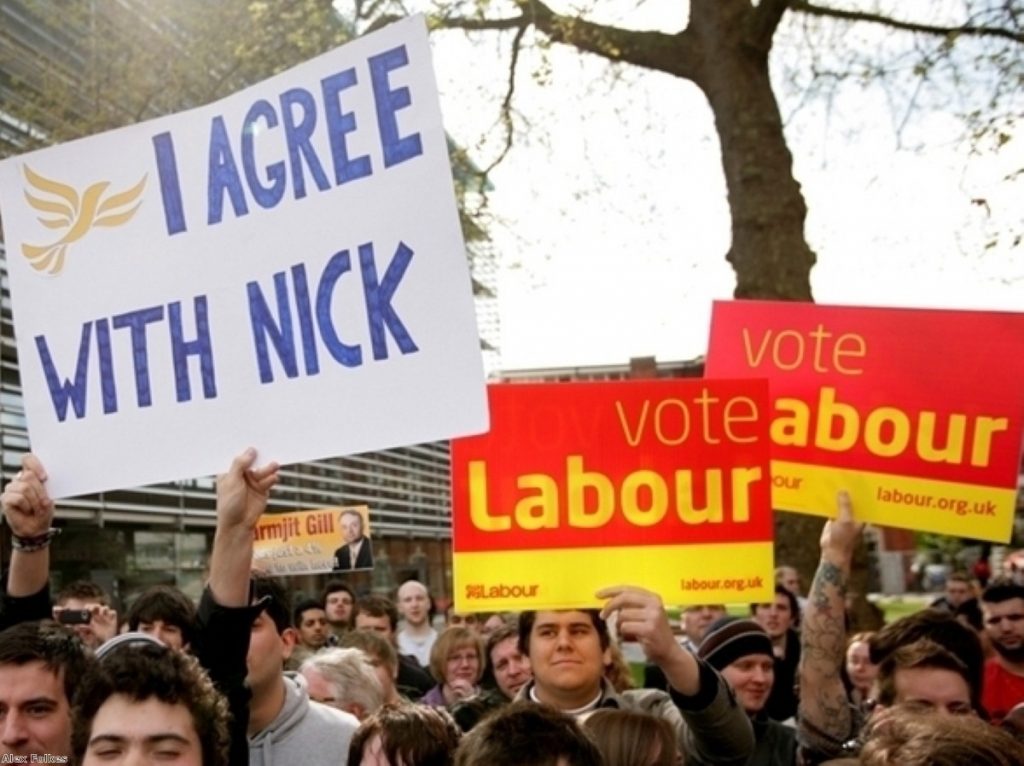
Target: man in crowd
(528,733)
(41,666)
(742,652)
(357,552)
(339,604)
(379,615)
(382,657)
(417,637)
(696,619)
(86,609)
(285,726)
(958,590)
(246,635)
(778,618)
(149,704)
(507,667)
(910,670)
(165,613)
(1002,605)
(569,650)
(927,677)
(789,578)
(344,679)
(311,624)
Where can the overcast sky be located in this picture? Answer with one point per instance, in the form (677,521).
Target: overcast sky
(612,222)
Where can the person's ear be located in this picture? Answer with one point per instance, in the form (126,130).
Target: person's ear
(289,637)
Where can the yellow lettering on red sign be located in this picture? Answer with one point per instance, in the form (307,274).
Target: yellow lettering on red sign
(541,506)
(886,431)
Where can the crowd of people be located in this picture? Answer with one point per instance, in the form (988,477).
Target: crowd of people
(251,675)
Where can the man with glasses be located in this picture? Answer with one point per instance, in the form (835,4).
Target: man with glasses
(1002,605)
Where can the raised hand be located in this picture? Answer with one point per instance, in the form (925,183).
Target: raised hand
(26,504)
(840,535)
(242,492)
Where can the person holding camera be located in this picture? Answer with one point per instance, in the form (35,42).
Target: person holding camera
(86,610)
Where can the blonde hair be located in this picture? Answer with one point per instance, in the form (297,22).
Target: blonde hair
(451,640)
(628,737)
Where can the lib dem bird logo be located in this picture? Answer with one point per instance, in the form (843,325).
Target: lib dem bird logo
(63,208)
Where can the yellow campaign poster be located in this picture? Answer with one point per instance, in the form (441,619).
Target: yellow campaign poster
(580,486)
(314,541)
(917,413)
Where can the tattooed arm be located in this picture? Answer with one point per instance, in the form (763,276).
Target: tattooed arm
(825,720)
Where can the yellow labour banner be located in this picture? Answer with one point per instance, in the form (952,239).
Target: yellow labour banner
(578,486)
(917,413)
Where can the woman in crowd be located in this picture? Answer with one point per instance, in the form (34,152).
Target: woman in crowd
(456,662)
(860,671)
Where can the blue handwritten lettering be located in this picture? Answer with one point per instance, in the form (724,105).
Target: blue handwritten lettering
(396,148)
(223,175)
(379,311)
(297,134)
(265,196)
(181,350)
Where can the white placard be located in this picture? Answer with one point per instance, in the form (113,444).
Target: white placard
(283,268)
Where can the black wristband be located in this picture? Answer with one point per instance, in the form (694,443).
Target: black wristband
(32,544)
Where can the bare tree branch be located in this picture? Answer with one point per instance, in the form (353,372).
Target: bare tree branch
(674,54)
(968,30)
(506,104)
(473,25)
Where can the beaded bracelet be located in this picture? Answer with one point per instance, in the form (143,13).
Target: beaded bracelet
(33,544)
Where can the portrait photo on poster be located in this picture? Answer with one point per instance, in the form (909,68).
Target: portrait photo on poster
(356,552)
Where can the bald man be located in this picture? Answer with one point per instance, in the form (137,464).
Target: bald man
(417,637)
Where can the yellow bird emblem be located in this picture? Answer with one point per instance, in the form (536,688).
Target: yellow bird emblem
(64,209)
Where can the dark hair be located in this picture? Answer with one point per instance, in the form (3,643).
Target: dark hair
(411,734)
(941,627)
(165,603)
(305,605)
(333,586)
(375,646)
(627,737)
(527,619)
(1002,590)
(378,606)
(919,654)
(794,604)
(504,633)
(971,612)
(525,732)
(142,672)
(274,598)
(59,650)
(83,590)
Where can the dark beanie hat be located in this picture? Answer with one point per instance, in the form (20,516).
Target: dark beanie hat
(731,638)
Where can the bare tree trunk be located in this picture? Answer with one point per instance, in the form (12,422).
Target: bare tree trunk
(769,252)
